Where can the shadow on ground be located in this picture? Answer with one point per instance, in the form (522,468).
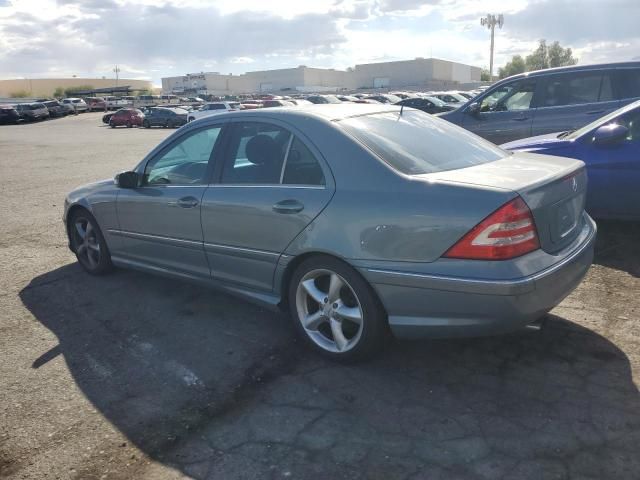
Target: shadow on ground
(618,246)
(217,388)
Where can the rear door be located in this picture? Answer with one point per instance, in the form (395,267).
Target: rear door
(571,100)
(506,113)
(271,185)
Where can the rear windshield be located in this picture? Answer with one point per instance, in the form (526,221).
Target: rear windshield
(415,142)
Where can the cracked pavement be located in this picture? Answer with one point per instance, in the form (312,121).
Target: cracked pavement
(135,376)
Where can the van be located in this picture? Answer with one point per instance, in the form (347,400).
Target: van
(547,101)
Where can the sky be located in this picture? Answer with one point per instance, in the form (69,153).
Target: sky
(151,39)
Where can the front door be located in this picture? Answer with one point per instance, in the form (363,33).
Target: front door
(272,184)
(505,114)
(160,220)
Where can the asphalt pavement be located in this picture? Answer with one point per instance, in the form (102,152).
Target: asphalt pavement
(135,376)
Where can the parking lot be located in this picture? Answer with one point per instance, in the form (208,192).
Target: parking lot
(135,376)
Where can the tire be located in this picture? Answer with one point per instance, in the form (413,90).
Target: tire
(88,243)
(190,119)
(345,321)
(111,124)
(146,124)
(128,124)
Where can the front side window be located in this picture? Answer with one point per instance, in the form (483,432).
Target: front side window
(258,153)
(513,96)
(442,146)
(186,162)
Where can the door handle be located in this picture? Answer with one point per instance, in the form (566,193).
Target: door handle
(520,119)
(595,112)
(185,202)
(288,206)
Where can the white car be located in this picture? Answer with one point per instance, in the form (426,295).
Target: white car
(213,108)
(116,103)
(78,104)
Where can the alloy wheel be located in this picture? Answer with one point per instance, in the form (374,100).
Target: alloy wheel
(329,310)
(86,243)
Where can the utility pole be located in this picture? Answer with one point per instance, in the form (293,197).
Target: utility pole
(490,21)
(117,69)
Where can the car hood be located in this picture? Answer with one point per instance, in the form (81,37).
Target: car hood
(540,142)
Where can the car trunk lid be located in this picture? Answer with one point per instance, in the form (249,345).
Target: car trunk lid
(554,188)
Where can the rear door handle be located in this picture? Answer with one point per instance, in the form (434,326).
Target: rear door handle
(185,202)
(520,119)
(288,206)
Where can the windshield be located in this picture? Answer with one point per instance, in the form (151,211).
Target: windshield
(441,146)
(601,121)
(436,101)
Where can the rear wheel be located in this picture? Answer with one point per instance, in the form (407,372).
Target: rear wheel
(89,244)
(335,310)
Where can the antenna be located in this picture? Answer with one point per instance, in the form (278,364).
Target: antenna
(401,108)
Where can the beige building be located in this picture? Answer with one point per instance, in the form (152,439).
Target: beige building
(44,87)
(429,73)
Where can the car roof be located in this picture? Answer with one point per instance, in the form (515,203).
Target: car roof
(328,112)
(572,68)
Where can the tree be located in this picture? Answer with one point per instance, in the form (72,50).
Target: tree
(58,92)
(19,94)
(515,66)
(560,57)
(550,56)
(542,57)
(484,75)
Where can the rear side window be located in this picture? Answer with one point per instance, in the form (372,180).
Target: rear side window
(415,143)
(577,88)
(629,82)
(302,167)
(512,96)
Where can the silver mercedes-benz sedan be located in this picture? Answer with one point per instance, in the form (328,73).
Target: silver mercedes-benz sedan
(356,218)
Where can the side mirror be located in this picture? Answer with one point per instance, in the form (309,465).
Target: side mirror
(128,180)
(474,109)
(610,134)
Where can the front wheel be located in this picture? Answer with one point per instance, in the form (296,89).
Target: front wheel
(112,125)
(89,244)
(146,124)
(335,310)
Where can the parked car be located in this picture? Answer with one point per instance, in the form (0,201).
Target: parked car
(277,103)
(250,104)
(127,117)
(55,108)
(449,235)
(385,98)
(452,99)
(427,104)
(77,104)
(9,114)
(164,117)
(547,101)
(610,148)
(213,108)
(96,103)
(107,117)
(115,103)
(322,99)
(30,112)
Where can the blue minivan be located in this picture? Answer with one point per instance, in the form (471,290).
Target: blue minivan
(545,101)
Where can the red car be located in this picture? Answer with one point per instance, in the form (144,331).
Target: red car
(96,103)
(127,117)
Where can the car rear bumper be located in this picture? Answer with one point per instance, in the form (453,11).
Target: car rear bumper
(420,305)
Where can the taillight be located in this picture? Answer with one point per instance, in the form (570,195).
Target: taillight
(508,232)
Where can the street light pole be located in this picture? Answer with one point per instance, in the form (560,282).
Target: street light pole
(490,21)
(117,70)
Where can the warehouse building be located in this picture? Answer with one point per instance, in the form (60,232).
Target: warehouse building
(45,87)
(426,73)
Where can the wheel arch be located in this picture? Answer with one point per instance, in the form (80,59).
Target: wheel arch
(72,210)
(284,279)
